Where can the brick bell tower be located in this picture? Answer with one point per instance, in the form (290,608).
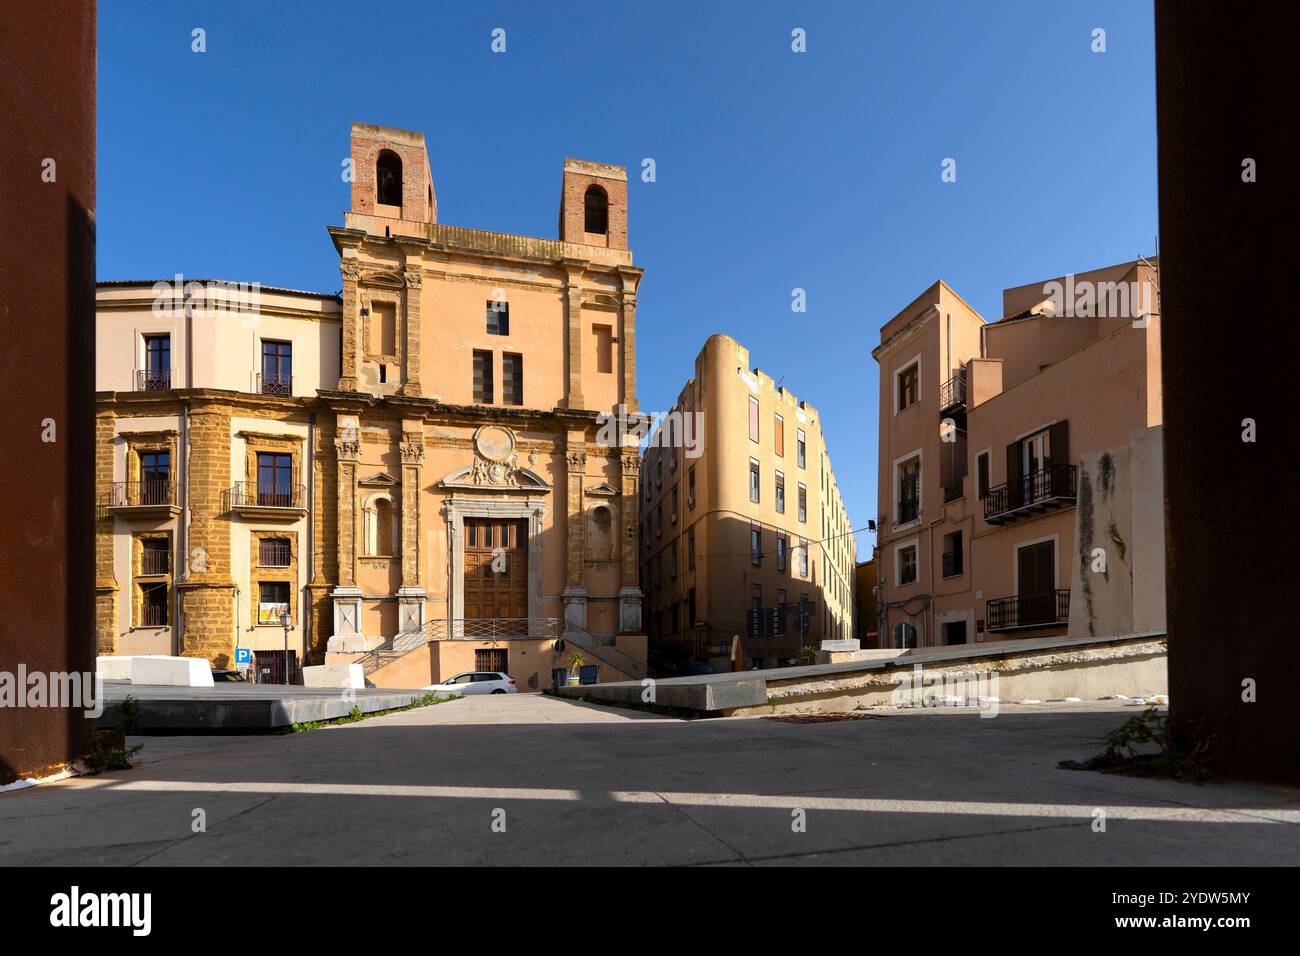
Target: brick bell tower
(593,204)
(391,175)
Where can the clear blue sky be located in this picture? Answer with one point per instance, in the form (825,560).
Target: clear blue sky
(775,170)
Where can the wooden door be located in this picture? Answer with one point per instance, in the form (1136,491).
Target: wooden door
(496,568)
(1037,584)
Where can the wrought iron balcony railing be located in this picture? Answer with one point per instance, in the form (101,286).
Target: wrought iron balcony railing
(952,393)
(1045,609)
(952,564)
(274,384)
(952,492)
(1052,487)
(274,554)
(153,380)
(142,494)
(248,494)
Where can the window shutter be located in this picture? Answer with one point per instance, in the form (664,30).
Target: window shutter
(1060,439)
(1014,484)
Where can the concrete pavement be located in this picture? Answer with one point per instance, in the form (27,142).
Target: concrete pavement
(532,779)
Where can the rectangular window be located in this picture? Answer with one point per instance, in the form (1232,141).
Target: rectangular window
(801,448)
(803,557)
(907,565)
(276,553)
(909,381)
(780,493)
(673,572)
(982,474)
(755,543)
(952,554)
(756,597)
(153,604)
(674,506)
(803,503)
(690,551)
(780,552)
(277,368)
(498,317)
(604,338)
(383,328)
(482,377)
(754,484)
(272,597)
(157,373)
(909,490)
(753,418)
(155,556)
(275,479)
(155,478)
(512,378)
(778,435)
(659,519)
(690,488)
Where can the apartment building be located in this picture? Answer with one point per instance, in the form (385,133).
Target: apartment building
(744,534)
(1020,463)
(416,457)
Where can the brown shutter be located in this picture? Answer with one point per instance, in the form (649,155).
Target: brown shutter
(1014,485)
(1060,440)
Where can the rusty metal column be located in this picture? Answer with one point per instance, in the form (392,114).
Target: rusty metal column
(1229,201)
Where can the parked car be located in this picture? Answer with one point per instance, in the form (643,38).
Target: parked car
(476,682)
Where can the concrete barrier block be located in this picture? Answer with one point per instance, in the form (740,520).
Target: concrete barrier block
(334,675)
(171,671)
(846,645)
(113,668)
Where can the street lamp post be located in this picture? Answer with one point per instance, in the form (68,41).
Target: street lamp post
(286,621)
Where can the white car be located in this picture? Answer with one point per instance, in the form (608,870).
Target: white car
(476,682)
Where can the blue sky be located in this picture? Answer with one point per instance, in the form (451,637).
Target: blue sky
(775,170)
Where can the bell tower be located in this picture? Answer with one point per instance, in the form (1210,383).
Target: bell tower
(390,174)
(593,204)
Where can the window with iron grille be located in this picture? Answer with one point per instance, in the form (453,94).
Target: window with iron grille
(277,367)
(274,553)
(482,377)
(498,317)
(155,556)
(512,379)
(153,604)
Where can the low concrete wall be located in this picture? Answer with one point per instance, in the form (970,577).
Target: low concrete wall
(1030,669)
(334,675)
(171,671)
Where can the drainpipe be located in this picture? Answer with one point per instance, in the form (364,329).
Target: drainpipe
(306,614)
(181,567)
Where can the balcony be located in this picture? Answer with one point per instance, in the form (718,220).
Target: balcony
(1048,609)
(274,554)
(952,564)
(274,384)
(1030,495)
(952,492)
(155,498)
(155,561)
(252,500)
(952,394)
(153,380)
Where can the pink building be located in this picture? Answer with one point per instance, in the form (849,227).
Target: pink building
(1020,463)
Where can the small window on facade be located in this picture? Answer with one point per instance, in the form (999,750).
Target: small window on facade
(690,488)
(155,556)
(803,503)
(753,418)
(512,378)
(674,506)
(498,317)
(756,543)
(909,490)
(482,377)
(275,479)
(153,604)
(780,493)
(690,551)
(907,565)
(274,552)
(271,597)
(277,368)
(595,209)
(157,372)
(801,448)
(604,339)
(982,475)
(778,435)
(803,557)
(909,381)
(388,179)
(754,483)
(781,544)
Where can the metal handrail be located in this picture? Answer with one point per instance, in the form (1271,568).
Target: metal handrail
(153,380)
(250,494)
(1054,481)
(953,392)
(1029,610)
(137,494)
(274,384)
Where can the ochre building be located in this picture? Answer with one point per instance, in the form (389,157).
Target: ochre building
(414,468)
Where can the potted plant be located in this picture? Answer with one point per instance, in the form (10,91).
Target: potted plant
(576,661)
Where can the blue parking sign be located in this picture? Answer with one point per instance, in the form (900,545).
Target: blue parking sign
(243,655)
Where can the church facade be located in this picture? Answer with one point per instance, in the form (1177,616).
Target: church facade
(414,468)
